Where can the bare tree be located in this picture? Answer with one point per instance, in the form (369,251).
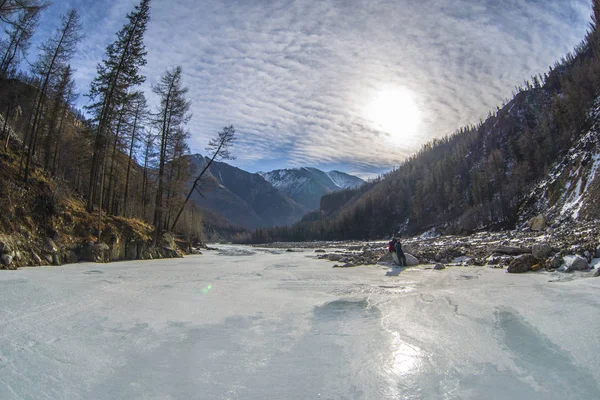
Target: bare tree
(56,52)
(117,74)
(173,115)
(10,10)
(14,47)
(220,147)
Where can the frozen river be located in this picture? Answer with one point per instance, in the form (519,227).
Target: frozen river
(244,323)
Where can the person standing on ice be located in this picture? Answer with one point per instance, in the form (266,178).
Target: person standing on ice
(399,252)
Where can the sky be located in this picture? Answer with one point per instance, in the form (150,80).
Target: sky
(352,85)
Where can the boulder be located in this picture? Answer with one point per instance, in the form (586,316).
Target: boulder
(439,266)
(597,273)
(536,267)
(319,251)
(541,251)
(334,257)
(575,263)
(411,260)
(522,263)
(6,260)
(537,223)
(597,255)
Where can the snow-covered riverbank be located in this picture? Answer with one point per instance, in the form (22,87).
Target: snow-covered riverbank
(247,323)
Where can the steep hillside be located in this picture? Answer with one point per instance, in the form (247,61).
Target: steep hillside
(243,198)
(307,185)
(571,190)
(45,222)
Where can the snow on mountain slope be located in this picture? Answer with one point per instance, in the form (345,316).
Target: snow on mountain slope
(572,187)
(344,180)
(307,185)
(243,198)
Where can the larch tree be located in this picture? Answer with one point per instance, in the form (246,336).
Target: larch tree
(60,99)
(116,76)
(18,38)
(11,10)
(69,96)
(140,114)
(56,52)
(220,146)
(172,116)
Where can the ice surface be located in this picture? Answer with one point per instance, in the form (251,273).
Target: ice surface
(244,323)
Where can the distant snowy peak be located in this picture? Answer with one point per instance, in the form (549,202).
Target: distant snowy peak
(344,180)
(307,185)
(285,179)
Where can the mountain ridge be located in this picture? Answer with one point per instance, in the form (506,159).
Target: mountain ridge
(307,185)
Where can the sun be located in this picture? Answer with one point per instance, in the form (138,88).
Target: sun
(394,111)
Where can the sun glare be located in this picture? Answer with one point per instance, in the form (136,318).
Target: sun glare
(394,111)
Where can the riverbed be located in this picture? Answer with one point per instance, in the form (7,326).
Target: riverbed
(250,323)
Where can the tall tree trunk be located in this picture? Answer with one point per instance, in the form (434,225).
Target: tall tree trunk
(111,175)
(4,128)
(129,162)
(100,201)
(161,169)
(58,137)
(145,180)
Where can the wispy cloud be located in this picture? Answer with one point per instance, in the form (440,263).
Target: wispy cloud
(295,76)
